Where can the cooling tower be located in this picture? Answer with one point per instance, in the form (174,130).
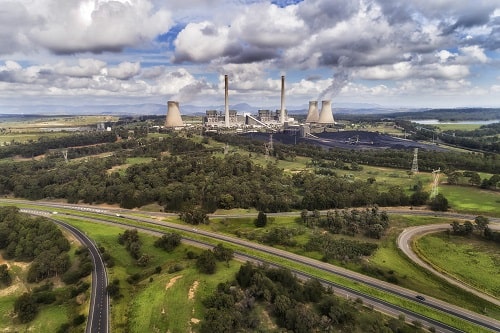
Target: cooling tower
(326,114)
(226,101)
(282,110)
(173,115)
(312,113)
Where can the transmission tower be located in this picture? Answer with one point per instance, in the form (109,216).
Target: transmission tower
(435,184)
(414,165)
(269,146)
(65,155)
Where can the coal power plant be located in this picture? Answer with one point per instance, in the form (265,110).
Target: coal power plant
(263,119)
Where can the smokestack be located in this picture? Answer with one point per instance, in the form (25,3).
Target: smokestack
(174,118)
(326,114)
(226,101)
(282,110)
(312,113)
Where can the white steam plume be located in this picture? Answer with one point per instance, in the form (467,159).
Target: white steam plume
(340,78)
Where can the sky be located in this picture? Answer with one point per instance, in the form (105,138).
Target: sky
(393,53)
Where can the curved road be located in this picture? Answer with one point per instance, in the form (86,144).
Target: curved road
(405,240)
(484,321)
(98,318)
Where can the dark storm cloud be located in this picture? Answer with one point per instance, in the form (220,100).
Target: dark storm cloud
(6,76)
(396,11)
(253,54)
(319,13)
(477,18)
(314,78)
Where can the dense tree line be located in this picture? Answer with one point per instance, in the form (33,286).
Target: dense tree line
(294,306)
(43,144)
(479,227)
(339,248)
(39,241)
(191,180)
(192,183)
(35,240)
(370,221)
(483,139)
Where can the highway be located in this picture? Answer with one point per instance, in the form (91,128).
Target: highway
(478,319)
(98,317)
(405,240)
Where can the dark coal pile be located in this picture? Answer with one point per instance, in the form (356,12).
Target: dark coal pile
(347,140)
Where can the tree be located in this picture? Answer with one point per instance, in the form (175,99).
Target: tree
(419,198)
(206,262)
(474,179)
(261,220)
(481,223)
(5,278)
(169,241)
(114,289)
(303,215)
(195,216)
(439,203)
(222,253)
(26,308)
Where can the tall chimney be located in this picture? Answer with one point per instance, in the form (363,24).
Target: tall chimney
(326,114)
(226,101)
(174,118)
(312,113)
(282,110)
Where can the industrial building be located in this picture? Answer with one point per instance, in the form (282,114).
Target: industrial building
(277,120)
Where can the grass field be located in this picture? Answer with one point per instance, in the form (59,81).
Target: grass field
(171,303)
(472,200)
(387,263)
(468,259)
(148,306)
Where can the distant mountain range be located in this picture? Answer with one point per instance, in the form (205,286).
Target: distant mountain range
(159,109)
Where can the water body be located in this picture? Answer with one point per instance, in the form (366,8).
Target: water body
(465,122)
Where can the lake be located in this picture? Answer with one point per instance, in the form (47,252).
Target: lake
(465,122)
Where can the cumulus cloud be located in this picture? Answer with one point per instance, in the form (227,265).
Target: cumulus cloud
(125,70)
(269,26)
(395,46)
(202,42)
(67,27)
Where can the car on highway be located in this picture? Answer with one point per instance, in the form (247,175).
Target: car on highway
(420,297)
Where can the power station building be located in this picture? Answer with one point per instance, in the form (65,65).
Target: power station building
(274,120)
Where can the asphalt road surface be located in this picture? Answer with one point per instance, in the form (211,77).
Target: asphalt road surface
(98,318)
(478,319)
(405,241)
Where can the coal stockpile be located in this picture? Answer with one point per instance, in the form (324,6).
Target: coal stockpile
(347,140)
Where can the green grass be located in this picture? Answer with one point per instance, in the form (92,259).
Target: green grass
(468,259)
(141,305)
(153,308)
(472,200)
(389,258)
(387,262)
(457,127)
(457,296)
